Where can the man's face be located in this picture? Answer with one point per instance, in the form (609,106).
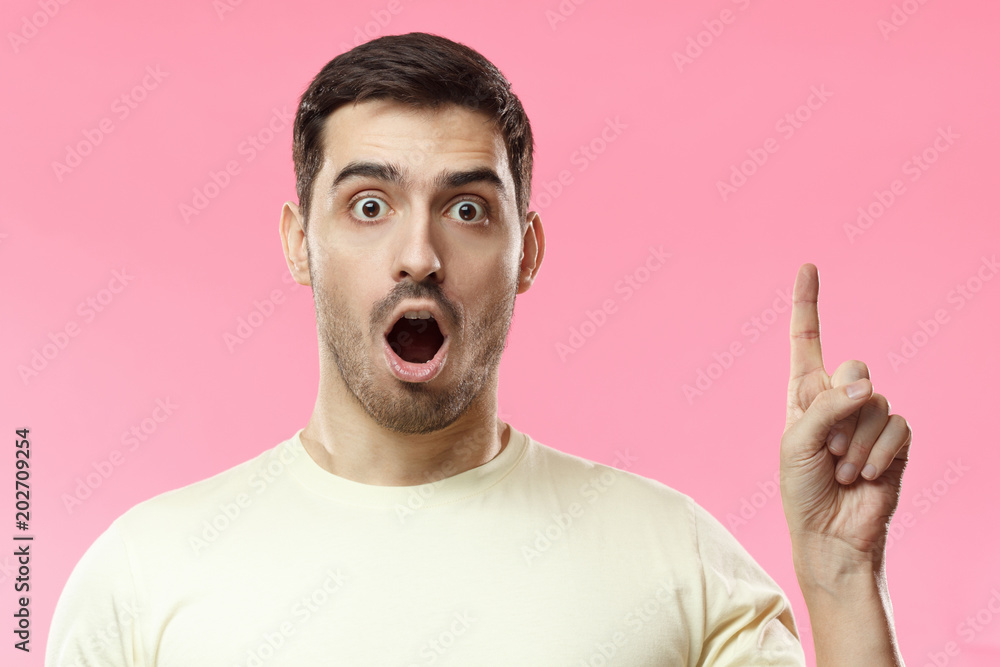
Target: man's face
(396,235)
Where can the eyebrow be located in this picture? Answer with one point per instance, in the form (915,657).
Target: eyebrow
(390,172)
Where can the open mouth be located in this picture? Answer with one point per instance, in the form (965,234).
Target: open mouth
(415,339)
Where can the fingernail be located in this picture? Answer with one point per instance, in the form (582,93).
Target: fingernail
(857,389)
(846,472)
(839,444)
(868,472)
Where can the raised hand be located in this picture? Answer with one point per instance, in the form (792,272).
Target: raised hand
(842,453)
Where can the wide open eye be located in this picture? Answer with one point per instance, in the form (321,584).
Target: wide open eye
(468,210)
(369,208)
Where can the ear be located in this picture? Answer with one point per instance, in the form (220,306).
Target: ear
(532,251)
(294,243)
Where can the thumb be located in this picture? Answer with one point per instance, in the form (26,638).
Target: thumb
(809,433)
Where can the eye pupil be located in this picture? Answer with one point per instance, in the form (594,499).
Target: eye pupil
(467,211)
(370,208)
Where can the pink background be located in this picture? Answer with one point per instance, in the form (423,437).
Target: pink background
(681,130)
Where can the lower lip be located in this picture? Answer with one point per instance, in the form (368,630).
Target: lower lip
(410,372)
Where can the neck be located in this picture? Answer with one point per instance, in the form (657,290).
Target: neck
(344,440)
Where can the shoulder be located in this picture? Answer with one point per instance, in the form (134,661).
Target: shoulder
(612,486)
(637,502)
(670,537)
(222,493)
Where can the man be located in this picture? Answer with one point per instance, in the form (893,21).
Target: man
(406,524)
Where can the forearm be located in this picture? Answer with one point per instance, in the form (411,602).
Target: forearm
(849,611)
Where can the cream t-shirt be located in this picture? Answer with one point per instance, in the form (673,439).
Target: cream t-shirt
(536,558)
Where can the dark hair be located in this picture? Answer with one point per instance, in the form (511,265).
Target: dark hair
(422,70)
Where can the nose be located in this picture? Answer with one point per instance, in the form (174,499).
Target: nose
(417,253)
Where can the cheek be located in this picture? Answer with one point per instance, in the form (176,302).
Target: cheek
(508,271)
(351,269)
(499,281)
(481,279)
(344,290)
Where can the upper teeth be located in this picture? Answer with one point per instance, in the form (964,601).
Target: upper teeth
(417,314)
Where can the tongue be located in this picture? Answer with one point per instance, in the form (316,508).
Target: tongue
(416,341)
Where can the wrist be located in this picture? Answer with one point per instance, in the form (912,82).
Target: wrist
(832,586)
(829,566)
(847,596)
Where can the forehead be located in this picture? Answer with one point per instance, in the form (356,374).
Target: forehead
(422,140)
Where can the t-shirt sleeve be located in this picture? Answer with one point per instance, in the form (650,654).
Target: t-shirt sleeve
(95,623)
(748,619)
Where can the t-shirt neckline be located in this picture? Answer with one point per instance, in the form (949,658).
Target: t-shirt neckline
(448,489)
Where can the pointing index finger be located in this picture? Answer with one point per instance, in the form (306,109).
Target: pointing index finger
(807,354)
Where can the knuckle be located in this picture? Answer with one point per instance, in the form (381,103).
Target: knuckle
(830,400)
(864,444)
(880,402)
(827,400)
(898,421)
(858,366)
